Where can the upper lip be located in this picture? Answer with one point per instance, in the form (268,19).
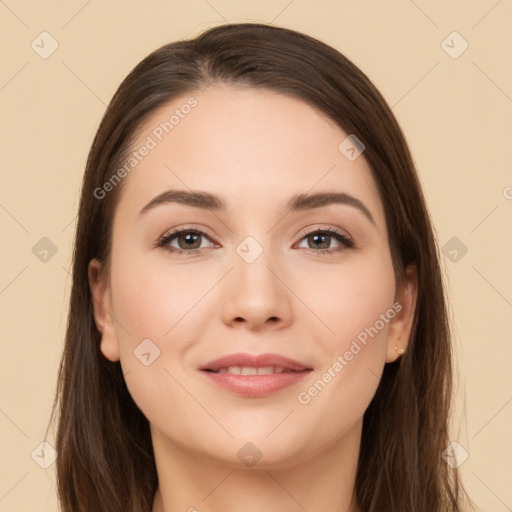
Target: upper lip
(255,361)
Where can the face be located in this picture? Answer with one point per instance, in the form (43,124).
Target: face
(262,279)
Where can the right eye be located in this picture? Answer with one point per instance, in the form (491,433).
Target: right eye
(188,240)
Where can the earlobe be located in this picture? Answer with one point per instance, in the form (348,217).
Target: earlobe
(401,325)
(102,307)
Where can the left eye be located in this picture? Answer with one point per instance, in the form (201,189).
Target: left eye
(324,237)
(189,241)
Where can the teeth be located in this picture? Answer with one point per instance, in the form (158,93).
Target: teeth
(266,370)
(249,370)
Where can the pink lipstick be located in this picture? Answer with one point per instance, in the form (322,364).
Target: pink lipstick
(255,375)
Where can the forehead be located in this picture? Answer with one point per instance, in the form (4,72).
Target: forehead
(253,146)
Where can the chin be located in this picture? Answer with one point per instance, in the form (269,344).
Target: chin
(258,450)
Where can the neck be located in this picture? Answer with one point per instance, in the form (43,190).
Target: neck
(189,482)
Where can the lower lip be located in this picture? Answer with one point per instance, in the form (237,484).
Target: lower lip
(256,385)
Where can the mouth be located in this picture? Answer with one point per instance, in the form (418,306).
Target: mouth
(252,370)
(255,375)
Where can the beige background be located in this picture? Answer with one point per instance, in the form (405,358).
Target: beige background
(455,112)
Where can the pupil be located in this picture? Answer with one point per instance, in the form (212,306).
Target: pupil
(190,237)
(317,236)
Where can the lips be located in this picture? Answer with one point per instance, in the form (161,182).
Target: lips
(255,361)
(255,375)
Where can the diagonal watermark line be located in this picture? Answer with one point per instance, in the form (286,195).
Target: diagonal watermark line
(376,376)
(192,307)
(491,419)
(502,296)
(281,11)
(2,1)
(300,300)
(209,82)
(216,11)
(492,81)
(285,490)
(14,76)
(14,486)
(200,404)
(13,423)
(65,270)
(14,218)
(281,422)
(217,486)
(493,210)
(68,224)
(100,305)
(492,491)
(424,14)
(13,279)
(416,84)
(75,15)
(83,83)
(499,1)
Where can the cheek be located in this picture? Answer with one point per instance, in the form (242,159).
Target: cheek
(352,298)
(159,315)
(151,300)
(359,312)
(357,309)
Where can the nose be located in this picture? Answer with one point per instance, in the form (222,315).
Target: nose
(257,295)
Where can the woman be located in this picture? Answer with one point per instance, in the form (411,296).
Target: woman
(257,316)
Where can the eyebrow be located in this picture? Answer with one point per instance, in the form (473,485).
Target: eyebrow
(297,203)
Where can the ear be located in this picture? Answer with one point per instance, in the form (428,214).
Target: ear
(401,325)
(102,305)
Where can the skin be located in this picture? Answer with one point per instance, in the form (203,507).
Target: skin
(255,148)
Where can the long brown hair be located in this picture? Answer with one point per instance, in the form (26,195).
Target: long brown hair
(105,456)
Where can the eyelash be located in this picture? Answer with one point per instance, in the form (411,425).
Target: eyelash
(340,237)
